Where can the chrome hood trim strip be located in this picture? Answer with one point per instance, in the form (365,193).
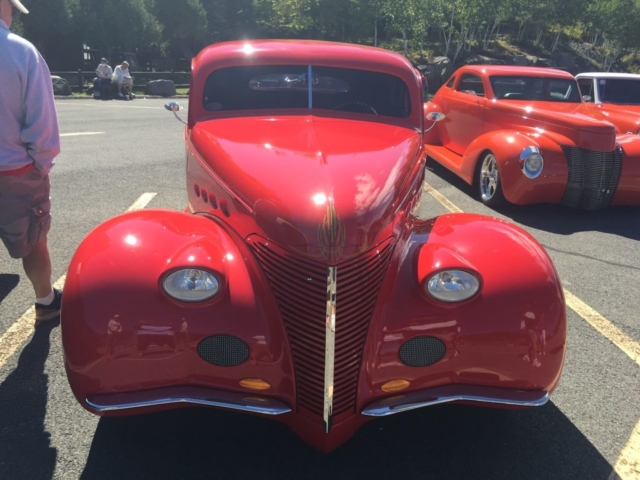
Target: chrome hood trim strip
(436,396)
(246,402)
(330,346)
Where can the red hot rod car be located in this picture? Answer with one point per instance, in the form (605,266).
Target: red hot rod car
(524,135)
(298,284)
(614,97)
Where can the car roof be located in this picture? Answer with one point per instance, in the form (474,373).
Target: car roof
(300,52)
(607,75)
(303,52)
(511,70)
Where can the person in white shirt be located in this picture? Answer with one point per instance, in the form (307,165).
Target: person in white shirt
(104,73)
(123,78)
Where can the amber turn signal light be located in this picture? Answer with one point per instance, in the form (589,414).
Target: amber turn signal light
(395,385)
(255,384)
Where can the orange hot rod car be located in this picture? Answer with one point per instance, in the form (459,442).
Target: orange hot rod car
(524,135)
(614,97)
(298,284)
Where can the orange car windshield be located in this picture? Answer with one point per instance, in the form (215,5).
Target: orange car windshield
(273,87)
(542,89)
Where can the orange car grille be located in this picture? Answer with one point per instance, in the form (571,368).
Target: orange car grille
(300,288)
(593,177)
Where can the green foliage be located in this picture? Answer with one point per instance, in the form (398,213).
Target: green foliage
(48,21)
(181,19)
(453,25)
(118,24)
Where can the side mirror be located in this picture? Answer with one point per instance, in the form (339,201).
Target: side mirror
(174,107)
(587,98)
(435,116)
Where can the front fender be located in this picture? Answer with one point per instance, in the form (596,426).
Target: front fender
(511,335)
(506,146)
(122,333)
(628,191)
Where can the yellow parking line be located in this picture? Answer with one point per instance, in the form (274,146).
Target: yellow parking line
(142,201)
(627,465)
(18,333)
(21,330)
(604,326)
(444,201)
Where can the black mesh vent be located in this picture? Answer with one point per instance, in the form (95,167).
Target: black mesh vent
(223,350)
(422,351)
(593,177)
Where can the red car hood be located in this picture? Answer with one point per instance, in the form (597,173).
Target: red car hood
(623,107)
(324,187)
(626,109)
(563,115)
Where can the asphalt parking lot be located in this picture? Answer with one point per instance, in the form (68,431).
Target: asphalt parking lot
(115,152)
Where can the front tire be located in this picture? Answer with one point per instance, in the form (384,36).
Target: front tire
(488,181)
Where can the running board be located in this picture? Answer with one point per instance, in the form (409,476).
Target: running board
(447,159)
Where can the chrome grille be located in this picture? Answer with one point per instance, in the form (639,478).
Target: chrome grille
(300,287)
(593,177)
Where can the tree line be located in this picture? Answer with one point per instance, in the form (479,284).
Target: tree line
(157,29)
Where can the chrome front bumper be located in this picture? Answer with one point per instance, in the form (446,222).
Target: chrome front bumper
(455,393)
(246,402)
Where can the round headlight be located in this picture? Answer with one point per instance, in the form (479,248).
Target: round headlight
(453,285)
(531,162)
(191,285)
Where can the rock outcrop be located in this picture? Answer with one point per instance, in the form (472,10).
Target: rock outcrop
(61,86)
(160,88)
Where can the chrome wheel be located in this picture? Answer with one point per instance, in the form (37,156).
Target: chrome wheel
(489,177)
(488,182)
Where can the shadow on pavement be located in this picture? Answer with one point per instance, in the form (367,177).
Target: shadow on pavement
(8,281)
(25,448)
(442,442)
(622,221)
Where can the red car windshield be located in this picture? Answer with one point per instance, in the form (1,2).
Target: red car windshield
(543,89)
(273,87)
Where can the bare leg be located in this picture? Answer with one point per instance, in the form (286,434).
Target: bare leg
(37,266)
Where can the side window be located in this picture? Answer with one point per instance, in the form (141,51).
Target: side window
(450,82)
(471,84)
(586,88)
(559,90)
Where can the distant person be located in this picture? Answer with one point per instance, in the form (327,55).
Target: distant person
(29,143)
(123,78)
(104,73)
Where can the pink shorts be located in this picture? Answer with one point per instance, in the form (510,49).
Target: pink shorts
(25,207)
